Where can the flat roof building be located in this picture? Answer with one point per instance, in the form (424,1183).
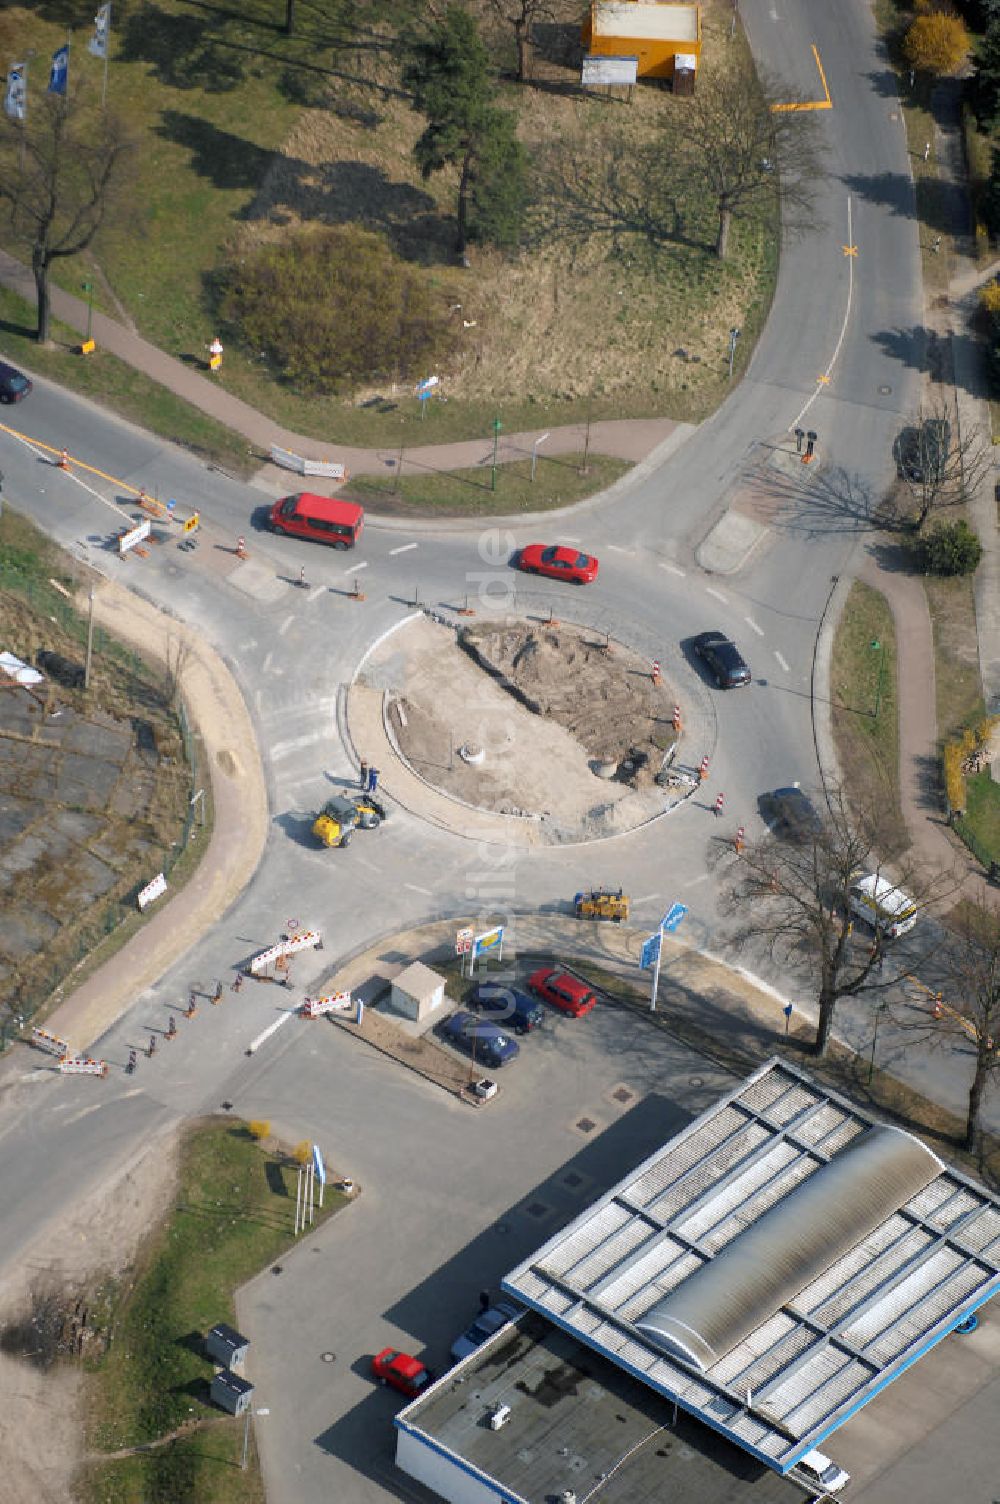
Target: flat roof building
(774,1265)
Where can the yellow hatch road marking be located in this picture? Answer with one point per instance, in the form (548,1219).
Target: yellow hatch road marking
(826,103)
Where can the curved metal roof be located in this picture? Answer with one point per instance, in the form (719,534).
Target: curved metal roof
(723,1301)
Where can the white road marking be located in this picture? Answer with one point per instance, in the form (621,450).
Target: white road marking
(843,328)
(696,880)
(616,548)
(753,626)
(285,625)
(313,594)
(267,663)
(781,660)
(404,548)
(271,1029)
(355,567)
(569,539)
(39,1075)
(413,887)
(646,898)
(710,590)
(673,569)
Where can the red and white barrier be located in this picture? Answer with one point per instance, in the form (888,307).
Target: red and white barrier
(334,1002)
(82,1065)
(50,1043)
(305,940)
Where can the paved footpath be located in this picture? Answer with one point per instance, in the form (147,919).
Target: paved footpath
(626,439)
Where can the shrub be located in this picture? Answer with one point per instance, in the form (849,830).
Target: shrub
(260,1128)
(936,43)
(302,1153)
(334,307)
(948,548)
(954,782)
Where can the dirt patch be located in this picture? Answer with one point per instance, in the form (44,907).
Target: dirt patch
(56,1290)
(547,722)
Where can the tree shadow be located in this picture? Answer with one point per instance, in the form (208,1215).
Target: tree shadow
(558,42)
(348,192)
(227,161)
(958,357)
(818,503)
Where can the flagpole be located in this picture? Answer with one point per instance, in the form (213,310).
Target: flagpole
(107,39)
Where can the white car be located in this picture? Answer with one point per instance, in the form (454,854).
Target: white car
(823,1473)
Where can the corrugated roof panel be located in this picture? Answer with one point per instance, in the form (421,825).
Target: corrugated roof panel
(759,1095)
(939,1301)
(870,1276)
(738,1146)
(875,1318)
(982,1235)
(745,1215)
(609,1253)
(822,1401)
(767,1336)
(857,1259)
(735,1191)
(825,1120)
(579,1243)
(771,1363)
(657,1271)
(693,1147)
(841,1136)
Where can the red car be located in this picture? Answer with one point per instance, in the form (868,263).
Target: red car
(562,991)
(404,1373)
(558,563)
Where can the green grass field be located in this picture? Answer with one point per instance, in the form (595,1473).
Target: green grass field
(863,693)
(233,1215)
(467,493)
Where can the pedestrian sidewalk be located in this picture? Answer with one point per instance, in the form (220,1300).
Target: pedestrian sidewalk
(632,439)
(919,742)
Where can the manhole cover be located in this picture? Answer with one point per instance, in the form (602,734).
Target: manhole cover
(501,1227)
(586,1125)
(696,1081)
(623,1094)
(275,1268)
(328,1357)
(572,1180)
(536,1209)
(884,390)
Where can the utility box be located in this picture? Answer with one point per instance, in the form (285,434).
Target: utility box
(664,36)
(231,1393)
(225,1345)
(417,991)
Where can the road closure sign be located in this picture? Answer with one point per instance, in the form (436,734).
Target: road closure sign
(463,941)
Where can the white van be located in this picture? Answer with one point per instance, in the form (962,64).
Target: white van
(822,1473)
(885,908)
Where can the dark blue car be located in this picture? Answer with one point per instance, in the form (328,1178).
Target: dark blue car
(487,1043)
(517,1009)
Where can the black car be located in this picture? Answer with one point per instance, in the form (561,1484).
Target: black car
(14,385)
(508,1004)
(921,453)
(722,658)
(790,813)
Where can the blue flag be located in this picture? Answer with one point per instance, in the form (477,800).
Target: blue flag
(59,75)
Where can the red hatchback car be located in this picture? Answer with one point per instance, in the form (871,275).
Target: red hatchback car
(404,1373)
(558,563)
(562,990)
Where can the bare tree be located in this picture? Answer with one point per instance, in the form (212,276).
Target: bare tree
(521,16)
(971,1008)
(794,893)
(939,466)
(741,149)
(57,173)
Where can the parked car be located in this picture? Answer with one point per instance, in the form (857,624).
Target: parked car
(790,813)
(558,563)
(404,1373)
(14,385)
(479,1037)
(722,658)
(562,990)
(515,1007)
(921,452)
(485,1325)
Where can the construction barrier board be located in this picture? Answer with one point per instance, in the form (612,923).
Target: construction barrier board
(334,1002)
(302,466)
(51,1043)
(82,1065)
(151,891)
(134,536)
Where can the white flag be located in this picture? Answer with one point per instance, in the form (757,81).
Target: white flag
(98,43)
(16,98)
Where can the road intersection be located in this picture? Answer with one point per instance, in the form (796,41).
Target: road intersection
(292,650)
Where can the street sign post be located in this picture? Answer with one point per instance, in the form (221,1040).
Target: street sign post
(650,951)
(669,924)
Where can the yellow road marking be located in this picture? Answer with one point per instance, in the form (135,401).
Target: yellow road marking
(76,464)
(826,103)
(849,250)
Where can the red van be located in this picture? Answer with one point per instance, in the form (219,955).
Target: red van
(323,518)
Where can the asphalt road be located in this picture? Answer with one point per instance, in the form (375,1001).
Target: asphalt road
(852,318)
